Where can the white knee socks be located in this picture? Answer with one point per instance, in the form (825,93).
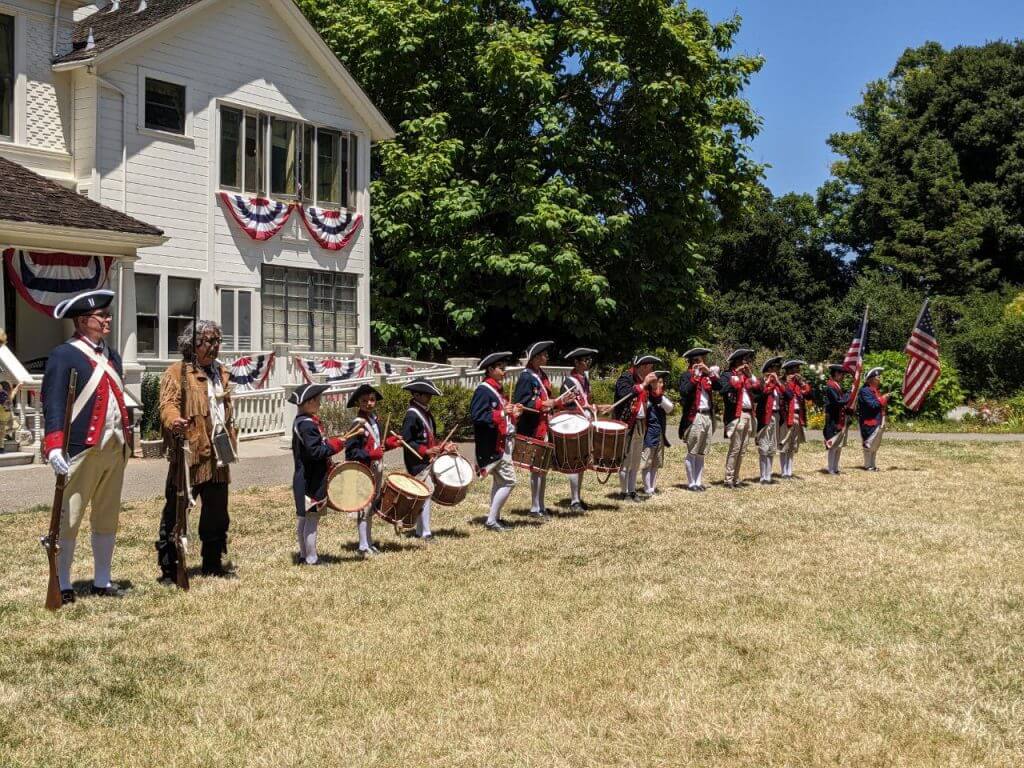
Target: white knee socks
(423,524)
(698,470)
(688,462)
(833,458)
(65,557)
(300,535)
(537,485)
(102,558)
(650,476)
(786,463)
(498,498)
(574,487)
(309,538)
(364,530)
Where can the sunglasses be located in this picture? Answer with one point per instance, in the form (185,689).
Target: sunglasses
(100,316)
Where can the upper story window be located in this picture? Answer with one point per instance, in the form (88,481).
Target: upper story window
(288,157)
(6,76)
(166,108)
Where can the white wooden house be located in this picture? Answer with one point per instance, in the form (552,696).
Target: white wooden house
(151,108)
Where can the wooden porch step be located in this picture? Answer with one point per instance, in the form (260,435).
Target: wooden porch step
(15,459)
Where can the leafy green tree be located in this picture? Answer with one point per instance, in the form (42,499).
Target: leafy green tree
(772,274)
(930,186)
(558,167)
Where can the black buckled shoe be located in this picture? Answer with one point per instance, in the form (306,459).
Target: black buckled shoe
(67,596)
(112,591)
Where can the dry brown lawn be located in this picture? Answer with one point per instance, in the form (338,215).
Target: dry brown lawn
(866,620)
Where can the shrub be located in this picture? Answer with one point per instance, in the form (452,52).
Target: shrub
(150,425)
(988,344)
(944,396)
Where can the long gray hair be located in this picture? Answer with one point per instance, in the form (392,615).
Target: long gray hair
(185,337)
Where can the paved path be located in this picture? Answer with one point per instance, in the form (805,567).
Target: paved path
(269,462)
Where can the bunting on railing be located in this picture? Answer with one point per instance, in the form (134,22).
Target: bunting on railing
(332,368)
(333,230)
(250,372)
(389,370)
(259,217)
(44,280)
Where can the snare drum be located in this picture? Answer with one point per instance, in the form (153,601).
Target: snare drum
(608,444)
(350,487)
(452,476)
(570,440)
(402,500)
(532,454)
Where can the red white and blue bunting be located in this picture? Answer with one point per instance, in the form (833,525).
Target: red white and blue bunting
(259,217)
(249,373)
(44,280)
(333,230)
(332,368)
(389,370)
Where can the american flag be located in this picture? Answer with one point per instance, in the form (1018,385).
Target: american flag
(923,366)
(854,359)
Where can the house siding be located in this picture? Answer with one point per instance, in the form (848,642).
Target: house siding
(47,93)
(240,52)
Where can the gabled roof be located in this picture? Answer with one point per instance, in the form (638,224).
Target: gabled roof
(116,31)
(28,197)
(109,29)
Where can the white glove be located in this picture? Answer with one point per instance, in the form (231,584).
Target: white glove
(58,462)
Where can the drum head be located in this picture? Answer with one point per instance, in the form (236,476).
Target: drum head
(408,485)
(350,487)
(609,426)
(452,470)
(569,424)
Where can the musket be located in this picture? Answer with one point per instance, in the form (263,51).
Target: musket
(184,493)
(50,541)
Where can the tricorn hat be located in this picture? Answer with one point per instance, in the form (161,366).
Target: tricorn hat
(581,352)
(307,392)
(739,354)
(772,362)
(874,372)
(536,349)
(363,389)
(838,368)
(421,386)
(83,304)
(646,360)
(494,358)
(793,364)
(696,352)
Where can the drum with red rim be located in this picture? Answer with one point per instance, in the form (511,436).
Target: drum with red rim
(402,500)
(570,441)
(532,454)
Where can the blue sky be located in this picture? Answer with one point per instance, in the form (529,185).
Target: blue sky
(821,54)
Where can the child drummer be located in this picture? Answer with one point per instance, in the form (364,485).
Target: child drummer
(312,451)
(419,431)
(494,420)
(656,435)
(576,392)
(368,448)
(533,392)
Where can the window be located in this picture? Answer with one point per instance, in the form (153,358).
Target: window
(7,76)
(147,307)
(165,106)
(181,294)
(283,154)
(312,309)
(236,318)
(231,148)
(317,164)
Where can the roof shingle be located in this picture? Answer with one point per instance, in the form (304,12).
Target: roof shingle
(110,29)
(27,196)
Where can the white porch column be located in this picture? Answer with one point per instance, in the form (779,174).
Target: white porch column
(128,329)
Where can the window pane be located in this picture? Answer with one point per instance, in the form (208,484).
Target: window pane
(230,144)
(312,313)
(165,106)
(350,172)
(254,141)
(308,133)
(327,165)
(244,319)
(282,157)
(227,318)
(6,76)
(147,291)
(181,293)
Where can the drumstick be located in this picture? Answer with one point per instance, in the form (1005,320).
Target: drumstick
(457,425)
(408,447)
(617,403)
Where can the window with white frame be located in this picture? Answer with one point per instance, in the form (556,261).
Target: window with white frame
(6,76)
(290,158)
(182,292)
(309,308)
(166,107)
(236,319)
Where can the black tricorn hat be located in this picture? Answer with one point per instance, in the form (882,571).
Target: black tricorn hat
(364,389)
(772,362)
(494,358)
(581,352)
(696,352)
(838,368)
(740,354)
(536,349)
(83,304)
(307,392)
(421,387)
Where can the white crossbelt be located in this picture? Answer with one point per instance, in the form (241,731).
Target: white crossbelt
(103,368)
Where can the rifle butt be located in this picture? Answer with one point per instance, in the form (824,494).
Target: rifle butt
(53,598)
